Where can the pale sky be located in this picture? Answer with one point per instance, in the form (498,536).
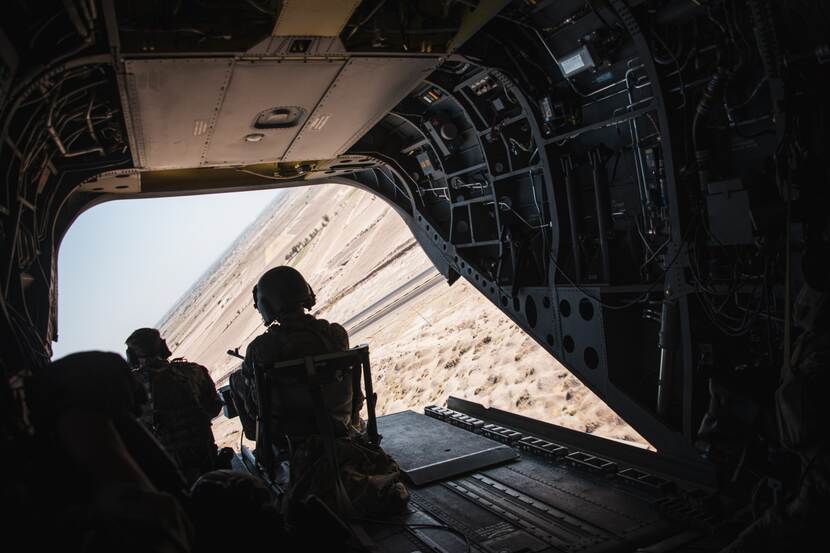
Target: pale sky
(123,264)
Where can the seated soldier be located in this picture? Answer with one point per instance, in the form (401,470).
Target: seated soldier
(281,296)
(372,479)
(181,402)
(90,479)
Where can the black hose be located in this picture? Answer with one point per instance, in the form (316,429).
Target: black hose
(365,20)
(766,37)
(703,154)
(767,41)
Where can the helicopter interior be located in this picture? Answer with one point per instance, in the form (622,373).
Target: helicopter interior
(638,184)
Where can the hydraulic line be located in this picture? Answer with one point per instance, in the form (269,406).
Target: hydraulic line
(703,153)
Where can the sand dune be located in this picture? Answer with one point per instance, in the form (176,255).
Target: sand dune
(356,251)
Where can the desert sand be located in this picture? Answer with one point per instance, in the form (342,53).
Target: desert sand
(428,340)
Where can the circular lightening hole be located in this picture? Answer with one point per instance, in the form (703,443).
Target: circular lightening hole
(591,358)
(586,309)
(530,312)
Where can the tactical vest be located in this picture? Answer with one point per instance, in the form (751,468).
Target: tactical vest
(174,410)
(308,336)
(294,339)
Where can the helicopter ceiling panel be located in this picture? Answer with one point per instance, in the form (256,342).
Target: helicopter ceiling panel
(173,104)
(198,112)
(364,91)
(265,106)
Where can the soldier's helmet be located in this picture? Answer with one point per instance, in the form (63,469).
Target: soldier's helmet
(281,290)
(224,487)
(146,343)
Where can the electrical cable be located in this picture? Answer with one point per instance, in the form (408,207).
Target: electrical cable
(32,133)
(517,214)
(732,326)
(392,182)
(541,218)
(645,294)
(654,254)
(259,8)
(556,61)
(599,15)
(365,19)
(677,65)
(30,156)
(31,81)
(787,276)
(42,28)
(404,115)
(271,177)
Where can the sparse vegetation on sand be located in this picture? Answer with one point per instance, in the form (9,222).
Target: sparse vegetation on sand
(446,341)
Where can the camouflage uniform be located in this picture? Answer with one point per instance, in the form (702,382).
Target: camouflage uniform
(803,414)
(296,336)
(105,494)
(367,480)
(182,401)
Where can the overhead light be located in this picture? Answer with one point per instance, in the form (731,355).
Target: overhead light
(254,137)
(576,62)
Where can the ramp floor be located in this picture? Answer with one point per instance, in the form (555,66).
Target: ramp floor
(552,498)
(428,450)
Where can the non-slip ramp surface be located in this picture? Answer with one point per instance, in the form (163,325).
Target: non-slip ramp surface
(428,450)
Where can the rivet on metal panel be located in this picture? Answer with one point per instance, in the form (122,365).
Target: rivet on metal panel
(215,115)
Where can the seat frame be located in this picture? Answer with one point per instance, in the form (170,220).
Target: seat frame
(356,358)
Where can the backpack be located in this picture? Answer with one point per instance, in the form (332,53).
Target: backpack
(361,479)
(366,481)
(174,410)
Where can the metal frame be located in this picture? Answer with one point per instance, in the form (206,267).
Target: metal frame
(356,358)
